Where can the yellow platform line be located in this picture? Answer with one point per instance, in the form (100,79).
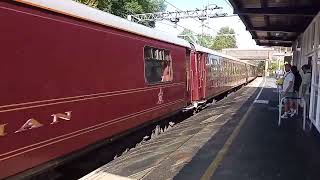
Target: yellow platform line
(220,156)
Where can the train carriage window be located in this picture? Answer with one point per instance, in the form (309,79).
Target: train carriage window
(158,65)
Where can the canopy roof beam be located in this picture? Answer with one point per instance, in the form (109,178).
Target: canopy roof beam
(280,41)
(275,44)
(280,29)
(279,11)
(272,38)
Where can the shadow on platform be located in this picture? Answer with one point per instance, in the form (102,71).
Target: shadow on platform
(262,150)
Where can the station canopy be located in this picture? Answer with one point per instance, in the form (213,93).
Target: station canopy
(276,22)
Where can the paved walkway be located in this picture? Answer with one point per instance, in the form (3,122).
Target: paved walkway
(237,138)
(266,152)
(262,150)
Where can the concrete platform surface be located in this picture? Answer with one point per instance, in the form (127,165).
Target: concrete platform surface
(235,138)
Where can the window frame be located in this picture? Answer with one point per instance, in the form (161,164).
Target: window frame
(144,66)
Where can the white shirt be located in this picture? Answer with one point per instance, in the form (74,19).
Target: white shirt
(288,77)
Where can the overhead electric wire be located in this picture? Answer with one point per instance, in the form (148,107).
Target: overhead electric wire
(192,38)
(197,34)
(202,24)
(170,24)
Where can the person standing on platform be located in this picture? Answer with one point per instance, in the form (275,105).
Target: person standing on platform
(296,88)
(306,84)
(288,84)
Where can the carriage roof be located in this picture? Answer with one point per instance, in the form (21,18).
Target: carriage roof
(78,10)
(212,52)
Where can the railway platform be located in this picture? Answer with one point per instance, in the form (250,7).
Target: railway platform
(237,138)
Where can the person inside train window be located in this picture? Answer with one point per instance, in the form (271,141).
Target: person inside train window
(288,84)
(166,75)
(157,65)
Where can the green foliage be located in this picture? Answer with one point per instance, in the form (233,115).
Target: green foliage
(188,36)
(273,66)
(123,8)
(225,39)
(206,40)
(226,30)
(92,3)
(261,68)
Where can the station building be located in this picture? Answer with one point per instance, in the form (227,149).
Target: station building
(288,23)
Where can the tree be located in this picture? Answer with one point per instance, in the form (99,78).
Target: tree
(206,40)
(272,67)
(225,39)
(261,68)
(188,35)
(123,8)
(92,3)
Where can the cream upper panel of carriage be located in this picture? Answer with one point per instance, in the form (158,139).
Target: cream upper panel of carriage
(78,10)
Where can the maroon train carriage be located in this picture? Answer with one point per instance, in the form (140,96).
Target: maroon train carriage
(74,75)
(213,73)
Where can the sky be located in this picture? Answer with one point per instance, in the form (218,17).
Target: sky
(244,39)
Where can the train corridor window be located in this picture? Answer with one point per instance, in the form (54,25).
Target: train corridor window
(158,65)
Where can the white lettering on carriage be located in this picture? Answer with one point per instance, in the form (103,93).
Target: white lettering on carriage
(2,129)
(30,124)
(33,123)
(160,96)
(66,116)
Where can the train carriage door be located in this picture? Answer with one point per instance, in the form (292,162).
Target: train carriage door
(201,63)
(204,62)
(194,76)
(197,76)
(189,55)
